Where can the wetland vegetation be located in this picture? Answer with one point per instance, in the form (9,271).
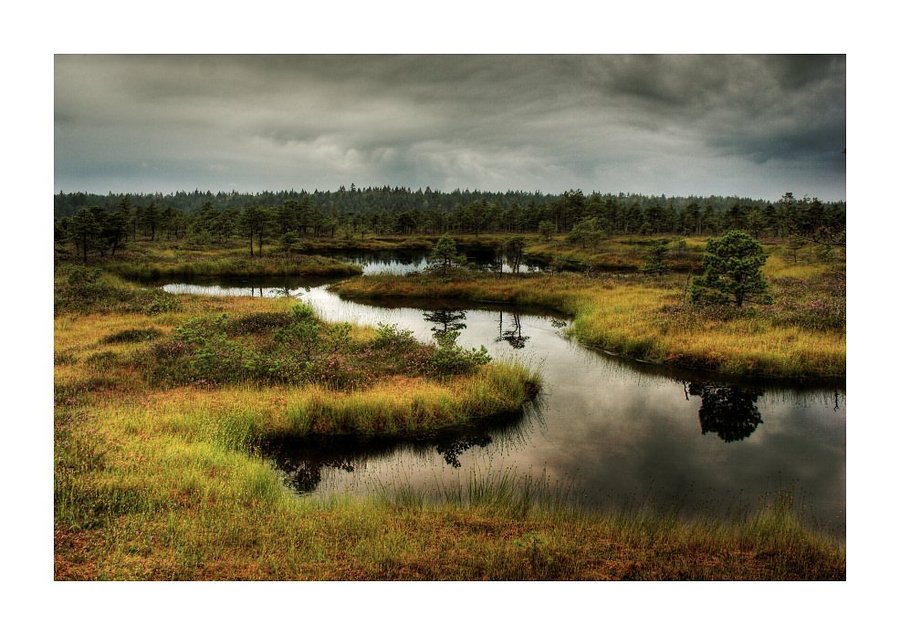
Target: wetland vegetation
(166,404)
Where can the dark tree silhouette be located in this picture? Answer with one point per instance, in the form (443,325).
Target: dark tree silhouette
(304,475)
(358,211)
(728,411)
(445,320)
(515,249)
(84,230)
(451,450)
(512,335)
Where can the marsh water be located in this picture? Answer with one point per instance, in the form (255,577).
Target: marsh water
(402,263)
(606,432)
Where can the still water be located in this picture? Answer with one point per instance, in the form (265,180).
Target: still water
(610,433)
(401,263)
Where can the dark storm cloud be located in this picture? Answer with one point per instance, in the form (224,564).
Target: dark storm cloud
(750,125)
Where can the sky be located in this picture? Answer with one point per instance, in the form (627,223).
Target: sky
(746,125)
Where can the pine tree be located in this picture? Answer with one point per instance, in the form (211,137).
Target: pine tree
(732,271)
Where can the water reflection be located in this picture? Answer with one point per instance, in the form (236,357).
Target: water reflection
(305,461)
(396,263)
(400,263)
(451,450)
(288,292)
(445,321)
(728,411)
(304,475)
(291,287)
(512,335)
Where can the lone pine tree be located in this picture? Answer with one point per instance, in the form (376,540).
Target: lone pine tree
(732,271)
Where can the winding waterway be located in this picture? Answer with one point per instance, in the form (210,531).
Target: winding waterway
(608,432)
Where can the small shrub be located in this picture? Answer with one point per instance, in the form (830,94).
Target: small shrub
(258,323)
(451,359)
(390,336)
(85,289)
(288,369)
(657,257)
(85,286)
(198,330)
(302,332)
(219,360)
(302,312)
(155,301)
(83,277)
(337,337)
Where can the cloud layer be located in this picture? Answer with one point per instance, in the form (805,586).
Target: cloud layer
(747,125)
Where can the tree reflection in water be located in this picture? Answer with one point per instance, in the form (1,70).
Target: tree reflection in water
(513,334)
(451,450)
(304,461)
(728,411)
(287,292)
(445,321)
(305,475)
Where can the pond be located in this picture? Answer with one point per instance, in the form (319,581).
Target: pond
(401,263)
(608,432)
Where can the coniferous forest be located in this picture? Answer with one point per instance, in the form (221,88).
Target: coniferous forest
(106,222)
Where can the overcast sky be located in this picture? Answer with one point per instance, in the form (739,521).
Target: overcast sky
(747,125)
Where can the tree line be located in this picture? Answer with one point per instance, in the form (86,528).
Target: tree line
(103,223)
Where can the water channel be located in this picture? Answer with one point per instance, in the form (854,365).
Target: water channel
(608,432)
